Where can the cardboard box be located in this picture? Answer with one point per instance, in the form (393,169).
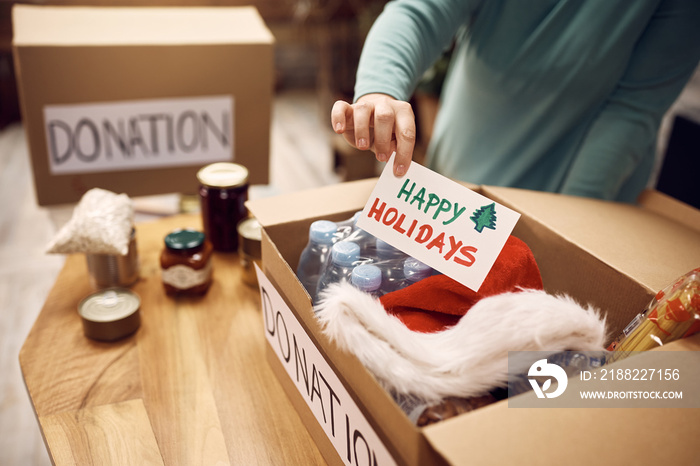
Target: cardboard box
(136,100)
(614,256)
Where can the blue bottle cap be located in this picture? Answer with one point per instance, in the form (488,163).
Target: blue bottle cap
(322,231)
(367,277)
(345,253)
(415,270)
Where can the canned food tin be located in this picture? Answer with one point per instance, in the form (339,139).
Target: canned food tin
(110,314)
(223,192)
(112,270)
(249,249)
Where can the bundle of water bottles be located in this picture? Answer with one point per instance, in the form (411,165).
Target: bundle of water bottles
(338,251)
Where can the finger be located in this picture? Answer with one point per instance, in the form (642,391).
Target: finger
(405,138)
(340,113)
(362,114)
(383,130)
(349,136)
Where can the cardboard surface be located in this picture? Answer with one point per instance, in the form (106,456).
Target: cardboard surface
(612,255)
(75,56)
(633,240)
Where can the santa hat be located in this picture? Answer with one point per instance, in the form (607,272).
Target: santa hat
(438,302)
(464,358)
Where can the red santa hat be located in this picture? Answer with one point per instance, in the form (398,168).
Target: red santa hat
(437,338)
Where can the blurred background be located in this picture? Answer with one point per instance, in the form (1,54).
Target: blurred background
(318,43)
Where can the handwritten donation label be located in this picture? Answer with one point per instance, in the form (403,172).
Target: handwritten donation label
(443,224)
(139,134)
(342,421)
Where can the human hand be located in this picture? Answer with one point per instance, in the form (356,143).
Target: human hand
(380,123)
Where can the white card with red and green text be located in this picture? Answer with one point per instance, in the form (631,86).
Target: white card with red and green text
(438,221)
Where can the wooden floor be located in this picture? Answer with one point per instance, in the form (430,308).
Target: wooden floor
(301,158)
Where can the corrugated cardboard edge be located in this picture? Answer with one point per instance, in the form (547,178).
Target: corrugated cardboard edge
(489,435)
(310,203)
(377,402)
(604,232)
(670,208)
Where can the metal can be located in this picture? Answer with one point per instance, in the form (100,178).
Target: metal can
(223,192)
(110,314)
(249,249)
(113,270)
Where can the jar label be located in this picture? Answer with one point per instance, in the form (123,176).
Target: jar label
(183,277)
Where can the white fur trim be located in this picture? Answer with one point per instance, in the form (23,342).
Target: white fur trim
(468,359)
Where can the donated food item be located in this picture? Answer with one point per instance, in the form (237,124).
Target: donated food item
(673,313)
(249,249)
(186,262)
(223,191)
(101,223)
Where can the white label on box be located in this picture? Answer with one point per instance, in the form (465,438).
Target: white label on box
(439,222)
(139,134)
(342,421)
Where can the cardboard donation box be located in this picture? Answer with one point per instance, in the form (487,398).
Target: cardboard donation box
(136,100)
(613,256)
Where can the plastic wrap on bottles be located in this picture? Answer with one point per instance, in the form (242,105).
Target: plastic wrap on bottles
(422,413)
(315,254)
(674,313)
(573,363)
(345,255)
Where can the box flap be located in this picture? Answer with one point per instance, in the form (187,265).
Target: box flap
(320,202)
(671,208)
(71,25)
(636,241)
(496,433)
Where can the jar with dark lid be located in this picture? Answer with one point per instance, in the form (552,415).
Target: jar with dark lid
(186,262)
(223,192)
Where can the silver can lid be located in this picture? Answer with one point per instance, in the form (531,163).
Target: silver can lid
(110,314)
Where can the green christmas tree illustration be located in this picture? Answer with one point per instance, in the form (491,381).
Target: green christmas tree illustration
(484,217)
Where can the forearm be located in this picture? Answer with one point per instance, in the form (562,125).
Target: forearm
(405,41)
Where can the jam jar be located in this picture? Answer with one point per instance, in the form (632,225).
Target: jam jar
(186,262)
(223,192)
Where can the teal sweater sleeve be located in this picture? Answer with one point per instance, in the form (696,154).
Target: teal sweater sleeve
(554,95)
(405,41)
(614,159)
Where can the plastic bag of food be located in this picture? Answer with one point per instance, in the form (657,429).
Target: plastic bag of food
(101,224)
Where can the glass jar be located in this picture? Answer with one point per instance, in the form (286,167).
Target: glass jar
(223,192)
(186,262)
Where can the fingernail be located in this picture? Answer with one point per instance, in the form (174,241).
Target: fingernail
(400,170)
(361,143)
(381,157)
(338,127)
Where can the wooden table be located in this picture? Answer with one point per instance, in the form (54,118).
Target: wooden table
(191,386)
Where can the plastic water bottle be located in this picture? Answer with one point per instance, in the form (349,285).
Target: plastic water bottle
(386,251)
(414,271)
(315,255)
(390,261)
(347,227)
(344,257)
(367,278)
(366,241)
